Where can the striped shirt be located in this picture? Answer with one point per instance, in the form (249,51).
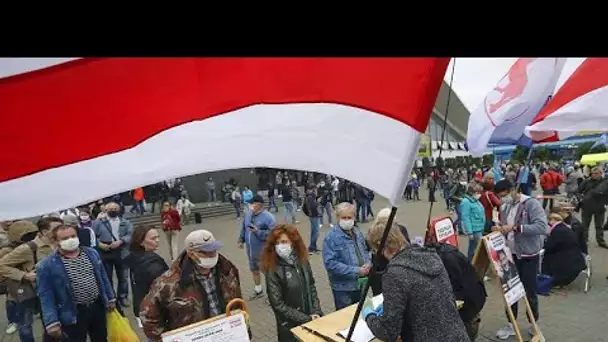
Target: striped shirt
(82,276)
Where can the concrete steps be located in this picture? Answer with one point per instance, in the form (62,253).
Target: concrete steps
(207,210)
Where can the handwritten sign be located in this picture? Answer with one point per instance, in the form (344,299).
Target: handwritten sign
(444,229)
(226,329)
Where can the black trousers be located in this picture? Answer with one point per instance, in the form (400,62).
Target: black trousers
(598,221)
(91,321)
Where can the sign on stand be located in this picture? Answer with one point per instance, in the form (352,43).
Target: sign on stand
(495,254)
(218,329)
(441,230)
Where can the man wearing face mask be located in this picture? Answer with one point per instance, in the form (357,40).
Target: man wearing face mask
(256,226)
(198,286)
(74,290)
(85,234)
(113,235)
(524,223)
(346,257)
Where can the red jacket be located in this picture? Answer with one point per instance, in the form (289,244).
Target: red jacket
(489,201)
(551,180)
(171,220)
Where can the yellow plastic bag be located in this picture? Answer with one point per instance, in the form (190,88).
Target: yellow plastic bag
(119,328)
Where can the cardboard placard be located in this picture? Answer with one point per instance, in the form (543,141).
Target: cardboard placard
(493,252)
(441,230)
(231,328)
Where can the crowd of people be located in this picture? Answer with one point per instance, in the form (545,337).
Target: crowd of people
(63,266)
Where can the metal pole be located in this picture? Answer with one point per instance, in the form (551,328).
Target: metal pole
(389,223)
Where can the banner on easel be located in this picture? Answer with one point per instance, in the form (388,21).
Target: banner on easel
(502,260)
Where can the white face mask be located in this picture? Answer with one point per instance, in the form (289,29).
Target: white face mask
(477,196)
(347,224)
(208,262)
(463,183)
(70,244)
(283,250)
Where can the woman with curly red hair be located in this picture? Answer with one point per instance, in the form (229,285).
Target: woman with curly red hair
(289,281)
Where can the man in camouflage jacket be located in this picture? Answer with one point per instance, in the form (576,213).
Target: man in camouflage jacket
(181,296)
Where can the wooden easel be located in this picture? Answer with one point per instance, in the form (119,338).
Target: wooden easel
(481,263)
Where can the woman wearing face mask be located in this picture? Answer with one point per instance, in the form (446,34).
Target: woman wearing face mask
(473,217)
(289,281)
(144,263)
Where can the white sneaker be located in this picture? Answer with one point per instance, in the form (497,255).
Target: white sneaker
(138,320)
(531,331)
(486,278)
(320,226)
(11,328)
(506,332)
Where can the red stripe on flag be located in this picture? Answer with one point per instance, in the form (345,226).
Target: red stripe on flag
(94,107)
(592,74)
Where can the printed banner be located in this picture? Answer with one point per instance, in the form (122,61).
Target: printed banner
(502,259)
(227,329)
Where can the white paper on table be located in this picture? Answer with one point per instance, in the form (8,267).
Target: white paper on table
(362,332)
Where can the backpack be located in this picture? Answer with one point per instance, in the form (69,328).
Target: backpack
(466,284)
(4,281)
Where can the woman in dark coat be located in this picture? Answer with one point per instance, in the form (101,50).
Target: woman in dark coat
(289,281)
(563,259)
(144,263)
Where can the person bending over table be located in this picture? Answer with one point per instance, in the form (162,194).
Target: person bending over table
(419,304)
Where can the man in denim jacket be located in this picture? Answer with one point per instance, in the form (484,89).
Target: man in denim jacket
(74,290)
(113,235)
(346,257)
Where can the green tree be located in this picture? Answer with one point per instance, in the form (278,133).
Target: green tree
(542,153)
(488,159)
(520,153)
(585,148)
(460,161)
(426,163)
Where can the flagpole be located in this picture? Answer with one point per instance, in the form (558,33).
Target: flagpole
(371,274)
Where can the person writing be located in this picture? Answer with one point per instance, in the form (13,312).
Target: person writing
(419,303)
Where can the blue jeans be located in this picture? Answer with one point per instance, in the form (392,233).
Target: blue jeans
(11,311)
(122,274)
(457,221)
(327,209)
(343,299)
(288,212)
(315,222)
(528,273)
(446,196)
(237,207)
(25,318)
(473,245)
(361,210)
(272,203)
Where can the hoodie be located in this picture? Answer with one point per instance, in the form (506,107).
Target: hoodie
(419,303)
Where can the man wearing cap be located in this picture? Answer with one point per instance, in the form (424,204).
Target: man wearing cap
(198,286)
(256,227)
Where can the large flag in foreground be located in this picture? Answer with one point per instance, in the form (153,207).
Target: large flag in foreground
(87,128)
(581,104)
(513,104)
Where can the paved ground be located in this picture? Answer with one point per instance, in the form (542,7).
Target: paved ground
(568,316)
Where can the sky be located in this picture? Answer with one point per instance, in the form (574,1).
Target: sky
(475,77)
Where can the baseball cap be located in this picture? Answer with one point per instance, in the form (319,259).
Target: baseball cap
(257,199)
(70,220)
(202,240)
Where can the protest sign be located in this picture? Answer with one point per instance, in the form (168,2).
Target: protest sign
(219,329)
(441,230)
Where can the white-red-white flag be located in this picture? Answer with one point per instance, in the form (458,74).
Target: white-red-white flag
(513,103)
(83,129)
(581,104)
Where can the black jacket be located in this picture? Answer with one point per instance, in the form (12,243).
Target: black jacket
(418,301)
(293,297)
(595,194)
(563,259)
(577,229)
(145,268)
